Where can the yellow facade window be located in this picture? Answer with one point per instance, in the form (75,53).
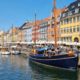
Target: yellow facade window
(78,18)
(74,19)
(70,30)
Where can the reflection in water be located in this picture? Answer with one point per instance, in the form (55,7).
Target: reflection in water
(40,73)
(14,68)
(17,68)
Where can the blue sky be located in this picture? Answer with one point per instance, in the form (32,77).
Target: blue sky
(16,12)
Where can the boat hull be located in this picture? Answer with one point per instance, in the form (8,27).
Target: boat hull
(5,53)
(15,52)
(62,62)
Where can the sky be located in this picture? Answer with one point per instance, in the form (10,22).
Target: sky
(17,12)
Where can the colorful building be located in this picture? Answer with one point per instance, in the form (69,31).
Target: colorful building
(14,35)
(26,28)
(70,23)
(35,31)
(43,30)
(51,34)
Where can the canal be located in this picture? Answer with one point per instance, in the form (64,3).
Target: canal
(19,68)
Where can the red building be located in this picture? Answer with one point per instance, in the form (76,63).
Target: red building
(35,31)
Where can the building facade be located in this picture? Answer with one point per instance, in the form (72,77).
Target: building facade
(35,31)
(70,23)
(27,30)
(43,30)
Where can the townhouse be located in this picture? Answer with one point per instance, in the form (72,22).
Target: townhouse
(70,23)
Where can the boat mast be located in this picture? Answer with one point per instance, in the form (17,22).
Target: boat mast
(35,30)
(55,23)
(3,39)
(56,14)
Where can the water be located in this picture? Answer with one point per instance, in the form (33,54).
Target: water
(19,68)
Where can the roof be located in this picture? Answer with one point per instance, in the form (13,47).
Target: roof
(71,9)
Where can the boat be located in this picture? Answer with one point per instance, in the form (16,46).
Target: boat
(14,50)
(4,51)
(62,61)
(67,60)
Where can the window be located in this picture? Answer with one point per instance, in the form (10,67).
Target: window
(73,11)
(78,4)
(77,10)
(65,21)
(61,30)
(78,29)
(64,14)
(70,20)
(74,29)
(67,30)
(64,30)
(78,18)
(74,19)
(72,6)
(61,23)
(69,13)
(70,30)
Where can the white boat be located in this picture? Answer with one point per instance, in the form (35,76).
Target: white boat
(4,51)
(14,50)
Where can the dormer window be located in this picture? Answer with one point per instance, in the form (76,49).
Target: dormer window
(72,6)
(77,10)
(78,4)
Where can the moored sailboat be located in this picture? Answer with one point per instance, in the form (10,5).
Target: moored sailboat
(67,61)
(3,49)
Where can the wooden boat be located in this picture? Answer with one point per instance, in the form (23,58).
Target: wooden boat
(68,61)
(63,61)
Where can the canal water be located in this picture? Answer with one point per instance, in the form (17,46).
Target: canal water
(19,68)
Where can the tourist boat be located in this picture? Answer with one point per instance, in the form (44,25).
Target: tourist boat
(67,61)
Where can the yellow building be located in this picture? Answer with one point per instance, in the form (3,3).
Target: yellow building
(70,23)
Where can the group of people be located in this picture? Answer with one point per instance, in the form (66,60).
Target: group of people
(46,50)
(50,50)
